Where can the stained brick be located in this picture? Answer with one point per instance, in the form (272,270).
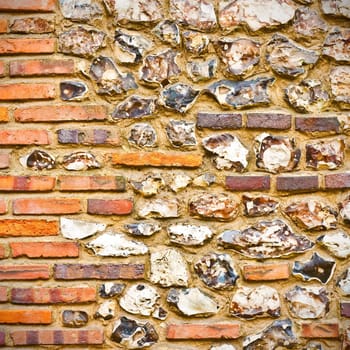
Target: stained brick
(2,251)
(91,183)
(101,137)
(27,183)
(24,137)
(317,124)
(337,181)
(110,206)
(45,249)
(25,316)
(41,67)
(4,113)
(24,272)
(3,294)
(30,228)
(25,5)
(247,182)
(2,338)
(266,272)
(218,121)
(2,68)
(345,309)
(3,25)
(301,183)
(320,330)
(4,160)
(3,206)
(17,92)
(278,121)
(11,46)
(34,25)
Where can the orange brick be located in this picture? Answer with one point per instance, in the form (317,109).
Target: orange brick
(4,160)
(27,183)
(11,46)
(17,92)
(25,316)
(28,228)
(266,272)
(24,137)
(3,207)
(3,25)
(3,295)
(2,251)
(4,114)
(26,5)
(41,67)
(45,249)
(320,330)
(91,183)
(24,272)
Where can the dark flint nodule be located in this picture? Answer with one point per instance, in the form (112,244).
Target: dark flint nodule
(72,90)
(74,318)
(134,107)
(40,160)
(110,289)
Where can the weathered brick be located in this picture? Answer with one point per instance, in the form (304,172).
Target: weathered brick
(24,272)
(247,182)
(193,331)
(3,294)
(2,251)
(30,228)
(11,46)
(2,68)
(27,183)
(101,137)
(218,121)
(24,137)
(27,316)
(4,160)
(297,183)
(53,206)
(320,330)
(35,91)
(58,337)
(4,113)
(2,338)
(56,295)
(157,159)
(45,249)
(345,309)
(266,272)
(3,206)
(278,121)
(3,25)
(109,206)
(337,181)
(41,67)
(91,183)
(60,113)
(25,5)
(33,25)
(99,271)
(317,124)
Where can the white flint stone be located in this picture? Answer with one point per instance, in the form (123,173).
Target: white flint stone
(179,182)
(79,229)
(159,208)
(80,10)
(223,347)
(337,243)
(187,234)
(344,282)
(106,310)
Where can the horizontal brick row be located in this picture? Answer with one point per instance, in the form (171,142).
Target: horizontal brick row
(10,46)
(41,67)
(31,6)
(27,316)
(44,249)
(30,227)
(27,91)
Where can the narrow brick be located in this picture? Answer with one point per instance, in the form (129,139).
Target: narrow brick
(2,338)
(28,228)
(24,272)
(301,183)
(109,206)
(56,295)
(49,206)
(4,113)
(219,121)
(22,137)
(41,67)
(247,182)
(58,337)
(12,46)
(192,331)
(101,137)
(27,183)
(91,183)
(279,121)
(2,69)
(317,124)
(2,251)
(3,294)
(35,91)
(3,25)
(4,160)
(45,249)
(3,206)
(25,316)
(157,159)
(266,272)
(345,309)
(99,271)
(32,25)
(337,181)
(320,330)
(25,5)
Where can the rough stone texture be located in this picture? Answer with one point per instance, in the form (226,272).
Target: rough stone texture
(74,319)
(80,10)
(143,135)
(338,244)
(38,160)
(343,282)
(79,229)
(200,70)
(259,206)
(340,85)
(134,107)
(159,208)
(149,185)
(181,133)
(336,45)
(73,90)
(336,7)
(308,24)
(189,235)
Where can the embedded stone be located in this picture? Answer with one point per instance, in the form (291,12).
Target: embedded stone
(340,85)
(74,318)
(336,7)
(307,97)
(110,289)
(239,55)
(159,208)
(278,334)
(317,268)
(168,268)
(200,70)
(343,282)
(80,41)
(312,215)
(307,23)
(259,206)
(168,32)
(133,334)
(38,160)
(204,180)
(159,313)
(255,14)
(222,347)
(179,182)
(217,271)
(344,210)
(143,228)
(230,152)
(338,244)
(80,10)
(325,154)
(312,345)
(73,90)
(79,229)
(160,68)
(248,303)
(308,302)
(109,80)
(80,161)
(143,135)
(241,94)
(276,153)
(189,235)
(106,310)
(265,239)
(192,302)
(149,186)
(217,206)
(179,97)
(195,43)
(134,107)
(181,133)
(287,58)
(336,44)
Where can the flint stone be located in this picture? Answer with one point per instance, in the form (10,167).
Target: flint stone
(217,271)
(340,85)
(192,302)
(74,318)
(134,107)
(143,135)
(143,228)
(287,58)
(159,313)
(222,347)
(189,235)
(308,302)
(179,182)
(80,10)
(159,208)
(337,45)
(204,180)
(336,7)
(343,282)
(110,289)
(344,210)
(259,206)
(106,310)
(195,43)
(248,303)
(73,90)
(168,268)
(313,346)
(266,239)
(38,160)
(149,186)
(80,161)
(338,244)
(181,133)
(80,41)
(79,229)
(168,32)
(200,70)
(307,23)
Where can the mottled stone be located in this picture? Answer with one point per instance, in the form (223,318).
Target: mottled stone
(222,347)
(265,239)
(287,58)
(159,208)
(79,229)
(338,244)
(204,180)
(241,94)
(143,135)
(343,282)
(179,182)
(149,185)
(181,133)
(143,228)
(201,70)
(159,313)
(33,25)
(73,90)
(192,302)
(229,151)
(189,235)
(134,107)
(81,42)
(217,206)
(276,153)
(307,23)
(344,210)
(80,10)
(337,45)
(308,302)
(38,160)
(80,161)
(195,43)
(259,205)
(336,7)
(110,289)
(312,215)
(312,345)
(317,268)
(248,303)
(340,85)
(168,32)
(106,310)
(74,318)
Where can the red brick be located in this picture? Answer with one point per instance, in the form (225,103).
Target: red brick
(110,206)
(2,68)
(53,206)
(56,295)
(58,337)
(45,249)
(100,137)
(24,272)
(26,5)
(191,331)
(320,330)
(247,182)
(27,183)
(345,309)
(3,25)
(25,316)
(337,181)
(99,271)
(219,121)
(32,25)
(41,67)
(91,183)
(24,137)
(2,251)
(11,46)
(3,206)
(279,121)
(266,272)
(17,92)
(317,124)
(28,228)
(301,183)
(60,113)
(4,113)
(4,160)
(2,338)
(3,295)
